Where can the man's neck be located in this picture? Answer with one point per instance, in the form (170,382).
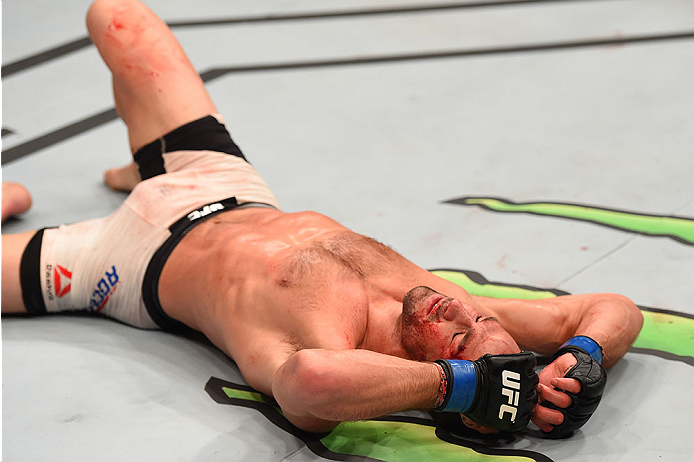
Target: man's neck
(384,328)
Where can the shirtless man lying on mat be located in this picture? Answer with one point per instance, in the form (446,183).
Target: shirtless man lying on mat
(334,325)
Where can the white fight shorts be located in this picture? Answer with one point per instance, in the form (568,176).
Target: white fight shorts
(111,265)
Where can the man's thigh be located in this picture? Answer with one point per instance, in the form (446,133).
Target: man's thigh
(155,86)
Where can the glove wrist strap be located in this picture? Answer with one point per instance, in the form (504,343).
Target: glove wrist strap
(587,344)
(461,385)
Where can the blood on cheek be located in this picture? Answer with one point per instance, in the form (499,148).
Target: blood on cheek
(456,352)
(428,337)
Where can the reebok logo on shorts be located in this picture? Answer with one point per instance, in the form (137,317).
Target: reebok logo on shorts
(58,281)
(62,278)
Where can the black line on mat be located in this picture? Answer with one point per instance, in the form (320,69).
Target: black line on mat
(364,12)
(6,131)
(47,55)
(457,53)
(83,42)
(663,354)
(58,135)
(94,121)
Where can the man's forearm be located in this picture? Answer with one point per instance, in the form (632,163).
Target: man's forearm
(543,325)
(613,322)
(333,386)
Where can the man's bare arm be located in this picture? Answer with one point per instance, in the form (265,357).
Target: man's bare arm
(317,389)
(543,325)
(613,321)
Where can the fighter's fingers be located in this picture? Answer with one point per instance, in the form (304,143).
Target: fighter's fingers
(542,425)
(486,430)
(550,416)
(475,426)
(553,396)
(570,385)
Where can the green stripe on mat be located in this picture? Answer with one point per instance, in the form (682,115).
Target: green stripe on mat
(491,290)
(678,228)
(388,441)
(404,442)
(666,332)
(247,395)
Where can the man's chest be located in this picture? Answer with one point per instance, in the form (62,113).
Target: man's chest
(321,295)
(318,303)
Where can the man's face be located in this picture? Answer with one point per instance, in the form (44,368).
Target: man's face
(435,326)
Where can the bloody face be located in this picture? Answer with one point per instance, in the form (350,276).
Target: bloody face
(435,326)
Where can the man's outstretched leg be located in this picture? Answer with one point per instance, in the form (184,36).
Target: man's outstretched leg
(156,88)
(15,200)
(172,128)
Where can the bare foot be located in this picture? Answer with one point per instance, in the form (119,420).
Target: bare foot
(124,178)
(15,199)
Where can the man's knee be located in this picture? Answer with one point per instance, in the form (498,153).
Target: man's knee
(100,13)
(115,22)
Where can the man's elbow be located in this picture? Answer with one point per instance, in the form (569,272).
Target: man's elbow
(624,333)
(634,317)
(305,393)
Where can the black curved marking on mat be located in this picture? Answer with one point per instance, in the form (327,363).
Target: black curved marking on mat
(78,44)
(6,131)
(449,437)
(461,201)
(479,279)
(312,440)
(671,312)
(479,443)
(96,120)
(663,354)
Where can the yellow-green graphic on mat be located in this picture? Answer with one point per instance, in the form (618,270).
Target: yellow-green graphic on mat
(665,333)
(393,439)
(680,229)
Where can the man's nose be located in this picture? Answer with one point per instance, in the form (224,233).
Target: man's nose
(460,313)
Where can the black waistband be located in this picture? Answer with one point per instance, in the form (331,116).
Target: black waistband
(150,284)
(30,275)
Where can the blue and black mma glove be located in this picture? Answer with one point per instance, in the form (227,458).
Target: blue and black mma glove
(592,376)
(497,391)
